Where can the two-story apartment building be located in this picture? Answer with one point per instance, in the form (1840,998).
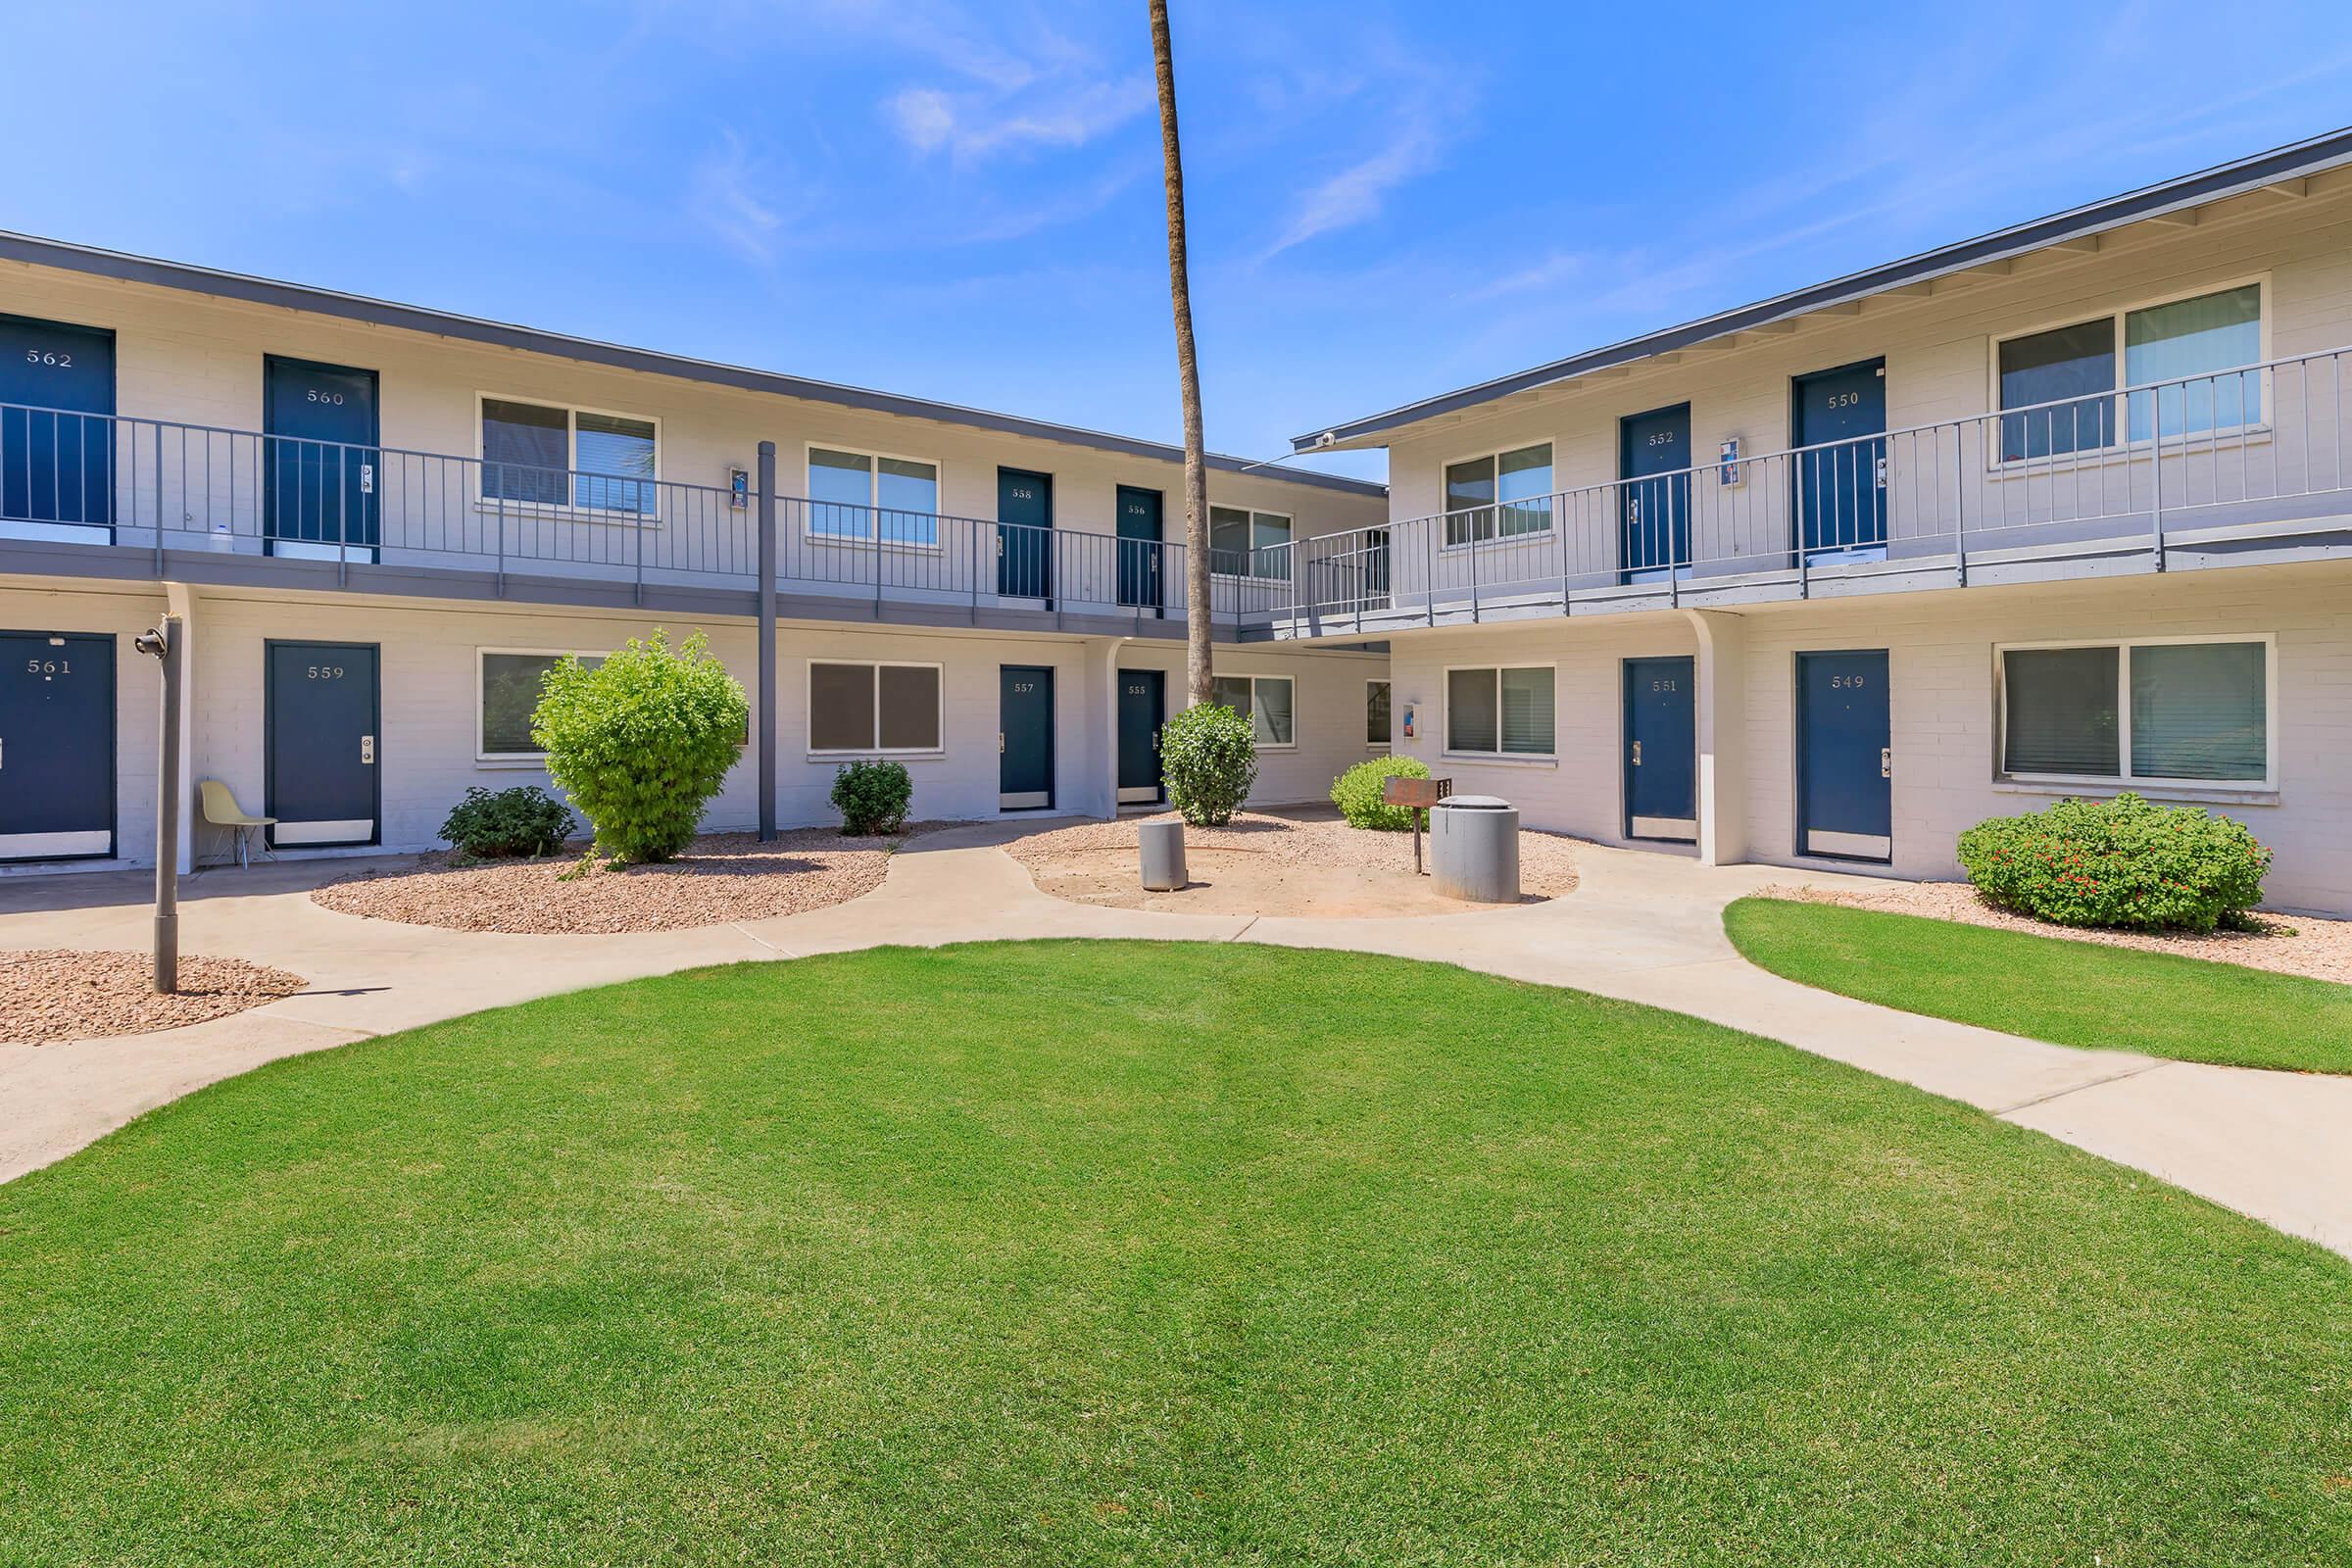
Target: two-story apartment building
(2064,509)
(380,523)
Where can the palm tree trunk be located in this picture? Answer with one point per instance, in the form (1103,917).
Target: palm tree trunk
(1180,295)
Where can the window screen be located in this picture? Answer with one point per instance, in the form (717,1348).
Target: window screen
(908,494)
(841,487)
(615,459)
(841,707)
(1231,691)
(910,707)
(2061,712)
(1470,711)
(2195,339)
(1271,716)
(2053,367)
(526,453)
(2199,711)
(1376,713)
(1527,711)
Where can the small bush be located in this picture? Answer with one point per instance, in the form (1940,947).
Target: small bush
(2125,862)
(642,741)
(872,796)
(523,820)
(1209,759)
(1356,793)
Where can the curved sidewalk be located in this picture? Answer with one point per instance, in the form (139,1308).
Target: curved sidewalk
(1643,927)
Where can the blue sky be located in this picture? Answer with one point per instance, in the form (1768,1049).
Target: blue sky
(962,201)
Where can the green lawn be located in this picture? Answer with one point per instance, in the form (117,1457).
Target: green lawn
(2054,988)
(1114,1253)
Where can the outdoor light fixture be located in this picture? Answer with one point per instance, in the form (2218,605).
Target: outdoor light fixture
(162,643)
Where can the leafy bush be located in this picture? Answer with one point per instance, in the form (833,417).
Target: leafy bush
(872,796)
(523,820)
(1209,759)
(1356,793)
(2125,862)
(642,741)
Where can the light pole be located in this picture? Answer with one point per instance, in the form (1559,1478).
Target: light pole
(162,644)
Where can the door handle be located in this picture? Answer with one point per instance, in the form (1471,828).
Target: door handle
(1637,754)
(1886,761)
(368,750)
(1000,743)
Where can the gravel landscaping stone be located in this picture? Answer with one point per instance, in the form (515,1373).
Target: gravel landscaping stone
(2304,945)
(49,994)
(725,877)
(1282,863)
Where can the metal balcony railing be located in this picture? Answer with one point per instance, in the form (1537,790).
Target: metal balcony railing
(159,486)
(2260,447)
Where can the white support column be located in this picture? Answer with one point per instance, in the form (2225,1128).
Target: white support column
(1101,736)
(1722,736)
(180,600)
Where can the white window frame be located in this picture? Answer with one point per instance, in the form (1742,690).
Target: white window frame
(2116,320)
(1290,745)
(1390,681)
(571,412)
(877,666)
(1500,539)
(2124,778)
(873,506)
(1289,555)
(1445,743)
(481,670)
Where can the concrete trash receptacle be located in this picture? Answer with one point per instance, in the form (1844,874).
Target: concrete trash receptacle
(1474,848)
(1162,851)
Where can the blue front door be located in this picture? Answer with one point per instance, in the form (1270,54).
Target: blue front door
(57,431)
(1661,749)
(1024,737)
(1140,548)
(1024,534)
(320,749)
(57,744)
(1844,762)
(1653,457)
(319,469)
(1840,471)
(1142,708)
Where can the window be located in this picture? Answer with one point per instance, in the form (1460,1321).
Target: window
(553,457)
(506,687)
(1263,699)
(873,707)
(1506,495)
(1248,544)
(856,495)
(2155,712)
(1505,713)
(1376,713)
(2065,379)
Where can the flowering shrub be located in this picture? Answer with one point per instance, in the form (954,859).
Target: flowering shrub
(2124,863)
(1357,792)
(1209,759)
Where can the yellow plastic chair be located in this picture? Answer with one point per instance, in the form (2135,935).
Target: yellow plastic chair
(221,809)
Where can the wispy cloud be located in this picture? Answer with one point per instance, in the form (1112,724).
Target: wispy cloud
(976,124)
(1421,102)
(726,195)
(1357,193)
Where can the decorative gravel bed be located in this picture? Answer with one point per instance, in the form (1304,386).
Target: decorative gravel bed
(725,877)
(2304,945)
(1306,863)
(51,993)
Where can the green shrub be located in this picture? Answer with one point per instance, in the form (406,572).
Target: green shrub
(523,820)
(2124,863)
(642,741)
(1209,759)
(872,796)
(1356,793)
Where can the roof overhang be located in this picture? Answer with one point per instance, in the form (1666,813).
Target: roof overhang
(2283,167)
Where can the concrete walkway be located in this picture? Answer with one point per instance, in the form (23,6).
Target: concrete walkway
(1644,927)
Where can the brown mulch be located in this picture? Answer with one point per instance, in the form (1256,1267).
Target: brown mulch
(1306,863)
(2305,945)
(725,877)
(50,994)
